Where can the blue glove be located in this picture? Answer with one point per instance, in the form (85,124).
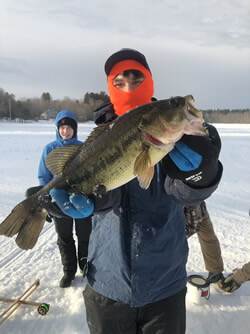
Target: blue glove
(184,157)
(76,206)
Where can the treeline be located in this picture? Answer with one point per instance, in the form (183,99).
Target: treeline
(227,116)
(46,107)
(38,108)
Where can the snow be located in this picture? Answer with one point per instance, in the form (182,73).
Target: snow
(21,146)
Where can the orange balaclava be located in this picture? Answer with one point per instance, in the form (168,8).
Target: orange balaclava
(124,101)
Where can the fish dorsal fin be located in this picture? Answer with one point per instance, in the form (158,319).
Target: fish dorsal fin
(96,132)
(58,159)
(143,169)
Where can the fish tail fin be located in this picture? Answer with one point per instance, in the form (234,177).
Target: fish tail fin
(27,219)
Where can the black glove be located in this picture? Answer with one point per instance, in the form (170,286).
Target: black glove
(51,207)
(46,201)
(228,284)
(194,160)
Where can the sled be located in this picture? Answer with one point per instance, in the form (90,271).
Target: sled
(43,308)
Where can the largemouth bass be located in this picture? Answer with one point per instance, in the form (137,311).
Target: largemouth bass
(112,155)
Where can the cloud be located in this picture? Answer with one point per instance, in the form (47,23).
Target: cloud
(198,22)
(197,46)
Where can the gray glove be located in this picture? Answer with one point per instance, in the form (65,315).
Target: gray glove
(228,284)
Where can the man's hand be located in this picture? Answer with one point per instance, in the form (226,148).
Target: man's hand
(229,284)
(46,202)
(76,206)
(49,205)
(194,160)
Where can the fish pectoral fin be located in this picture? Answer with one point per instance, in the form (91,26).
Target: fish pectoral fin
(58,159)
(143,169)
(146,178)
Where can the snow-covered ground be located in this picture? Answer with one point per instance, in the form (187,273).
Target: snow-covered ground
(20,150)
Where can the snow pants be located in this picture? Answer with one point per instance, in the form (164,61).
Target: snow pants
(66,243)
(106,316)
(210,245)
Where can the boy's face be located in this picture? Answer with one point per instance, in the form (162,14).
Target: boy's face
(128,80)
(66,132)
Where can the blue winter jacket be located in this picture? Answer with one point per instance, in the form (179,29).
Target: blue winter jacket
(44,175)
(138,247)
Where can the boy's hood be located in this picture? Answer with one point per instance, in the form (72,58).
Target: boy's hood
(61,115)
(65,113)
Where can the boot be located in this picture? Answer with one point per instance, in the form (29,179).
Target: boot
(66,280)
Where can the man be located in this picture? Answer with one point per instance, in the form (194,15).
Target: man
(198,219)
(138,247)
(233,281)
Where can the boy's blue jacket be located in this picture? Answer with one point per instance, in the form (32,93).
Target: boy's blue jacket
(138,247)
(44,175)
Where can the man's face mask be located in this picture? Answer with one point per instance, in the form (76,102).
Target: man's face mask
(128,92)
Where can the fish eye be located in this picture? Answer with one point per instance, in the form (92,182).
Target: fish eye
(174,102)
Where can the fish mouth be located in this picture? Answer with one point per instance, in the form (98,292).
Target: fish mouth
(153,140)
(190,106)
(195,118)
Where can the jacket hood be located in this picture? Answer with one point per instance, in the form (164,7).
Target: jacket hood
(65,113)
(62,114)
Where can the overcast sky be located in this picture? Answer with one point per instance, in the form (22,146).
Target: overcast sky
(199,47)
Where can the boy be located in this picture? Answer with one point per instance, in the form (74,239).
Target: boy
(66,134)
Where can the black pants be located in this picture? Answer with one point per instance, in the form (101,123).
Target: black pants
(106,316)
(66,242)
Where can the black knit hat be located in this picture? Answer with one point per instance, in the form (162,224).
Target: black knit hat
(125,54)
(68,121)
